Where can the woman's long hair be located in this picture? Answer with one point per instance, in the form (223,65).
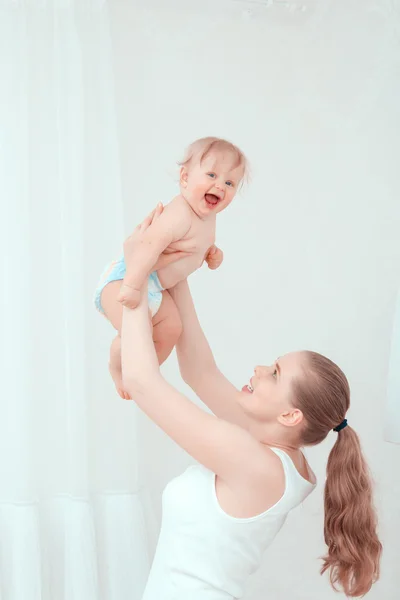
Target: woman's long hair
(354,550)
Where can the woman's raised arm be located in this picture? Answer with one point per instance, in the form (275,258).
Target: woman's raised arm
(222,447)
(197,365)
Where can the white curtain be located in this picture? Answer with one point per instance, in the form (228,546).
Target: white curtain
(71,513)
(392,413)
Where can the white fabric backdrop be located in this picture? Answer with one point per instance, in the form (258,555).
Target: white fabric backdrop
(313,99)
(71,521)
(392,411)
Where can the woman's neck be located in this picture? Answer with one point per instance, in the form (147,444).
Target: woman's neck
(277,436)
(286,447)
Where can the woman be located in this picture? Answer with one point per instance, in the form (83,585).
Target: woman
(220,515)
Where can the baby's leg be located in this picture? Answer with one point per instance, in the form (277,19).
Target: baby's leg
(166,323)
(167,327)
(113,311)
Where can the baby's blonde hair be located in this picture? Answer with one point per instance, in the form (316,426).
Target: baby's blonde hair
(199,149)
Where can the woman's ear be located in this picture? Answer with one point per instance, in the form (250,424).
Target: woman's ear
(291,418)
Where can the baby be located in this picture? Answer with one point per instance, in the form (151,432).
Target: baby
(210,175)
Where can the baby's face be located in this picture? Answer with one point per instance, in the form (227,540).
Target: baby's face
(211,185)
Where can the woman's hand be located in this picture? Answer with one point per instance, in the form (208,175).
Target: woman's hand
(132,242)
(129,294)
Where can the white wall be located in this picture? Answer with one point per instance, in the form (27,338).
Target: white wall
(311,245)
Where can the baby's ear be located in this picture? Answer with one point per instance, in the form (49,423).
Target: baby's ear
(183,176)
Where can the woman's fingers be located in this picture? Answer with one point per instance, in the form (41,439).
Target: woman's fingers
(135,236)
(166,259)
(146,223)
(155,213)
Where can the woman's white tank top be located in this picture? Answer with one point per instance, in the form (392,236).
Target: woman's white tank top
(205,554)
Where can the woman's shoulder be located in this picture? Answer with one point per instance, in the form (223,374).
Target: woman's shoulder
(257,490)
(272,466)
(296,462)
(266,471)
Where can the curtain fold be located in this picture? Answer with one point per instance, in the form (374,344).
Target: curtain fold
(392,411)
(72,521)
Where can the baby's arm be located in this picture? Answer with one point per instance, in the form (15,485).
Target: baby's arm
(172,225)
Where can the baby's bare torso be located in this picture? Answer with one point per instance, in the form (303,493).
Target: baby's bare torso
(197,241)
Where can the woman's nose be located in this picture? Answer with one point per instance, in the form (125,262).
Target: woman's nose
(259,371)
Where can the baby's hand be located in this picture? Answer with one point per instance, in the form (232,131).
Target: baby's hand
(214,257)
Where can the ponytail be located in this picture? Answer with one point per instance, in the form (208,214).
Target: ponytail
(354,549)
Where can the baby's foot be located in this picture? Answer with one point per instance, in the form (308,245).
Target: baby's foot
(116,374)
(129,296)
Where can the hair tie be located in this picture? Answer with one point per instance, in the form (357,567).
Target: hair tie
(342,425)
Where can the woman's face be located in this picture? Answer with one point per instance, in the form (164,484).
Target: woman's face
(268,396)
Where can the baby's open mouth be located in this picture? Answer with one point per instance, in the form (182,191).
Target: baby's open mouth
(211,199)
